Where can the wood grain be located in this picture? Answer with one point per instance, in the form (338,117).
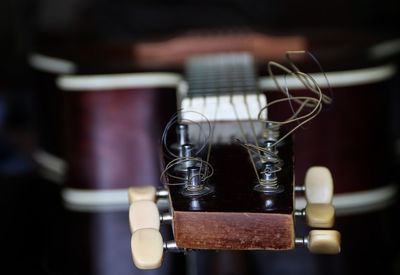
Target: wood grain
(233,231)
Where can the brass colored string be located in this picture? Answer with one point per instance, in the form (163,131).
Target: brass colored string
(212,134)
(244,138)
(304,101)
(251,124)
(315,103)
(253,148)
(179,160)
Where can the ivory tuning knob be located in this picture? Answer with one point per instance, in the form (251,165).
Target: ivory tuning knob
(320,215)
(143,214)
(139,193)
(318,185)
(147,248)
(324,241)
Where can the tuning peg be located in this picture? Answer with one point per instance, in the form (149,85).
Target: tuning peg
(147,244)
(318,188)
(318,185)
(149,193)
(318,215)
(321,241)
(143,214)
(147,248)
(324,241)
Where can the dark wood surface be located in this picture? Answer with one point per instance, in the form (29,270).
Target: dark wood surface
(233,182)
(235,216)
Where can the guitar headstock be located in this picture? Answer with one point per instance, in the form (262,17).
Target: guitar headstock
(229,176)
(233,215)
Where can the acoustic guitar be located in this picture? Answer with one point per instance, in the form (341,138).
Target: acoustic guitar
(229,177)
(111,114)
(99,133)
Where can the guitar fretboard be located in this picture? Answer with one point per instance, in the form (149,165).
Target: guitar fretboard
(220,74)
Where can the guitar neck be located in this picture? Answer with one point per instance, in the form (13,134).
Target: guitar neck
(221,74)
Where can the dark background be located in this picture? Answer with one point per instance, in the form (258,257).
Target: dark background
(33,217)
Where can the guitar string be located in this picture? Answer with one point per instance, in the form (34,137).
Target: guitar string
(180,160)
(212,131)
(251,127)
(304,101)
(293,65)
(176,117)
(251,124)
(244,138)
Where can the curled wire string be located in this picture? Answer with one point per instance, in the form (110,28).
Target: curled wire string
(288,53)
(306,79)
(176,118)
(289,96)
(207,173)
(211,141)
(295,113)
(314,102)
(256,149)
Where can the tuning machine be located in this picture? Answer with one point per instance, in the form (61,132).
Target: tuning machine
(147,244)
(319,212)
(321,241)
(318,190)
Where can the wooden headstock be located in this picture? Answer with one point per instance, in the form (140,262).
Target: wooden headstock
(234,215)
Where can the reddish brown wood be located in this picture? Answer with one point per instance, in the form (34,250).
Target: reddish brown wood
(233,231)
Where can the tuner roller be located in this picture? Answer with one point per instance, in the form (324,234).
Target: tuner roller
(318,185)
(324,241)
(144,214)
(147,248)
(320,215)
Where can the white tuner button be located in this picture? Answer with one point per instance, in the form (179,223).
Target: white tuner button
(324,241)
(147,248)
(140,193)
(144,214)
(320,215)
(318,185)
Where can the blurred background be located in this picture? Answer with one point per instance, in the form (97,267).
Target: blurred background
(66,127)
